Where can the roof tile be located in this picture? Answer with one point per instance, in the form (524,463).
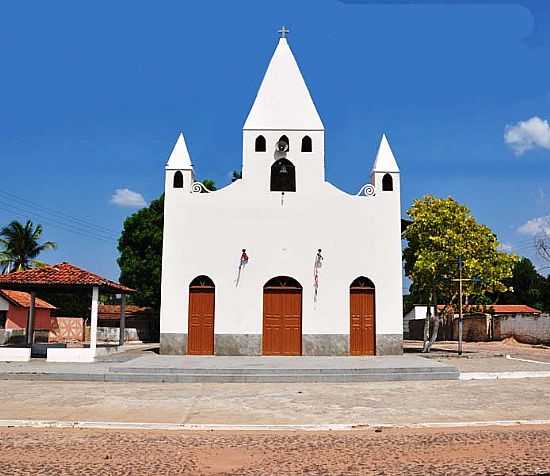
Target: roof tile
(63,275)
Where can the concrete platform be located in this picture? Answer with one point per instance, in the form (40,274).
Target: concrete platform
(219,369)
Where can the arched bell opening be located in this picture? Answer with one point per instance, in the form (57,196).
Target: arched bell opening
(260,144)
(307,144)
(178,180)
(283,176)
(387,183)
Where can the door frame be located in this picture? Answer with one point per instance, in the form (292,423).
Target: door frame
(362,285)
(205,284)
(286,283)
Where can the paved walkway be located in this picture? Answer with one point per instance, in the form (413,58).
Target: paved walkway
(267,404)
(151,367)
(482,360)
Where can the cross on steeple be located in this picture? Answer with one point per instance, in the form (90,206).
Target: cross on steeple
(284,31)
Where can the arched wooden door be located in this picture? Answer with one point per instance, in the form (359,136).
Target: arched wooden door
(362,317)
(282,322)
(200,337)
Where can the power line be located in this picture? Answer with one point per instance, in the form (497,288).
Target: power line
(74,230)
(67,226)
(59,214)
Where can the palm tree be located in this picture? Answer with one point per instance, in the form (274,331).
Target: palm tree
(21,246)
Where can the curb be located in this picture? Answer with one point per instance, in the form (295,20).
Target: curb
(518,374)
(110,425)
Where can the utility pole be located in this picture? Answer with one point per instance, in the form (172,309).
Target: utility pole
(460,313)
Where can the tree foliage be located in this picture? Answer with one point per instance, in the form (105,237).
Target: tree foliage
(140,247)
(21,246)
(210,185)
(526,286)
(443,231)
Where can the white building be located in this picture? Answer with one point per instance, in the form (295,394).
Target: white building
(282,296)
(418,312)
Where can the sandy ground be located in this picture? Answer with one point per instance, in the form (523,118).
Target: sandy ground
(491,451)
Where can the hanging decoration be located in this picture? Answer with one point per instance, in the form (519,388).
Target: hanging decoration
(242,264)
(316,268)
(282,198)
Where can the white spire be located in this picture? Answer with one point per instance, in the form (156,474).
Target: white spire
(179,158)
(385,160)
(283,100)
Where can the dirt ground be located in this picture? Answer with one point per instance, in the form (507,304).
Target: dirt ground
(473,451)
(474,350)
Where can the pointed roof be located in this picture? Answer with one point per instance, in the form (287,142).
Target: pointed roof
(283,100)
(385,160)
(179,158)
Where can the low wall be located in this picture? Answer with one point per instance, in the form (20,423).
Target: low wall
(111,334)
(524,328)
(66,329)
(12,336)
(137,329)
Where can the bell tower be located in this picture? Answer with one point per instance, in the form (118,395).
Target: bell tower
(179,170)
(385,175)
(283,135)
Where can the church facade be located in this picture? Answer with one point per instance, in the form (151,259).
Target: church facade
(281,262)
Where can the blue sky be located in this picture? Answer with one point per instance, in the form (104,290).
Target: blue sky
(94,94)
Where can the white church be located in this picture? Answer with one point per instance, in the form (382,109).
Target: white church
(282,262)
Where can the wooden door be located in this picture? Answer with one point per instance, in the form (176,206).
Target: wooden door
(282,329)
(362,321)
(200,338)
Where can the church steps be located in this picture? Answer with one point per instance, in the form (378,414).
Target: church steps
(282,377)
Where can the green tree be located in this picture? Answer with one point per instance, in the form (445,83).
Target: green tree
(140,248)
(526,286)
(443,231)
(209,184)
(236,175)
(21,246)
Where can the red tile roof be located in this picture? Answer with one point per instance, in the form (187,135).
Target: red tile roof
(513,309)
(502,308)
(22,299)
(112,311)
(60,275)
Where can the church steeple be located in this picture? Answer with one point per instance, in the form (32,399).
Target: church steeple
(179,158)
(283,101)
(179,169)
(283,135)
(385,160)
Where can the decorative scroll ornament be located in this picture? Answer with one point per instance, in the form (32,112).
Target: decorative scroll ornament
(367,190)
(198,187)
(242,264)
(316,268)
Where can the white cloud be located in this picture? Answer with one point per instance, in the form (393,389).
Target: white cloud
(527,135)
(124,197)
(505,247)
(536,226)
